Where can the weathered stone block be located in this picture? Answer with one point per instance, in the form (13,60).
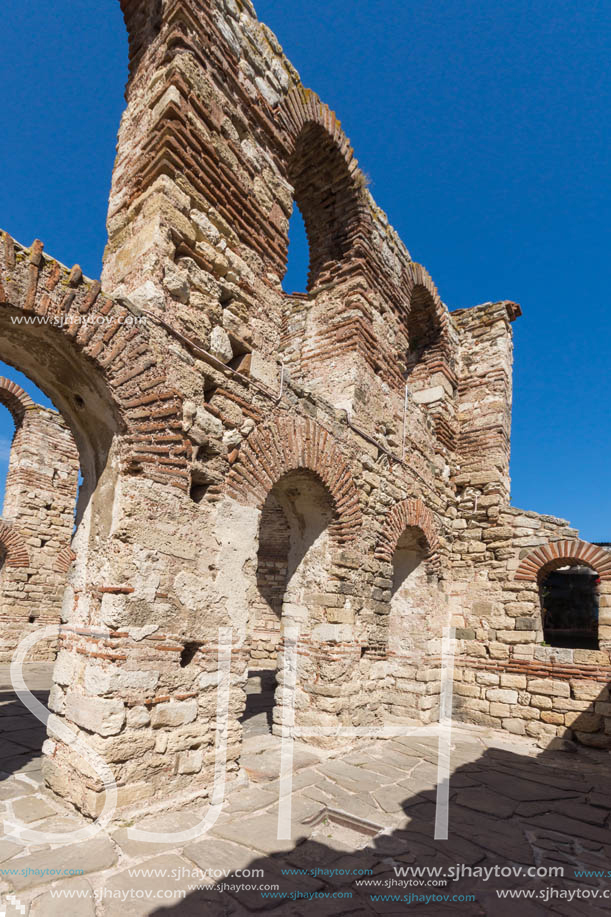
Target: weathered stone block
(173,713)
(502,696)
(105,717)
(584,722)
(190,762)
(552,687)
(512,636)
(548,716)
(589,690)
(510,680)
(487,678)
(542,701)
(500,710)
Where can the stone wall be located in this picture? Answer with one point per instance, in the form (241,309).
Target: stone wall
(37,522)
(506,675)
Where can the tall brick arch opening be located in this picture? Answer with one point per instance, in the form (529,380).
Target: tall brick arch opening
(430,370)
(328,186)
(14,399)
(427,325)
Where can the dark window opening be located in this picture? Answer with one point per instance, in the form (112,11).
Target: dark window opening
(569,603)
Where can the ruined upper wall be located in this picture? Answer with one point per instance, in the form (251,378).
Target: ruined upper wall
(218,141)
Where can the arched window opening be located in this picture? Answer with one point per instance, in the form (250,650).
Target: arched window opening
(292,568)
(329,199)
(569,605)
(424,338)
(296,276)
(428,366)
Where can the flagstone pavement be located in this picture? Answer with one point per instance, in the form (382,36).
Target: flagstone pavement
(362,833)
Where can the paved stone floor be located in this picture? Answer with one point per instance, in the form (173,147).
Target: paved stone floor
(358,820)
(260,687)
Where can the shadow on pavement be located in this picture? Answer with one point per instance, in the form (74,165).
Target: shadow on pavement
(523,815)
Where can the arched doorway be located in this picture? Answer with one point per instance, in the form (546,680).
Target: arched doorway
(408,547)
(293,473)
(293,564)
(410,594)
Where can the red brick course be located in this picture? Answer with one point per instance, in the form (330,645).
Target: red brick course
(14,546)
(409,512)
(111,340)
(556,554)
(290,444)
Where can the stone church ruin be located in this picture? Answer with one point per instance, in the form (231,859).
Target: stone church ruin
(335,461)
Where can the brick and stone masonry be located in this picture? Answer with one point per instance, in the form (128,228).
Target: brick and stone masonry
(37,522)
(250,458)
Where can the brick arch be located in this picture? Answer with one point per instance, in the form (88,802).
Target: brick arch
(556,554)
(302,107)
(328,185)
(64,560)
(287,444)
(427,319)
(410,512)
(418,282)
(108,343)
(14,547)
(13,397)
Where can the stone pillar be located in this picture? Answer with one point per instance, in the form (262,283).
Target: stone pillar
(484,402)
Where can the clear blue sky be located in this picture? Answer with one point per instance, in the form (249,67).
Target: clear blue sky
(484,127)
